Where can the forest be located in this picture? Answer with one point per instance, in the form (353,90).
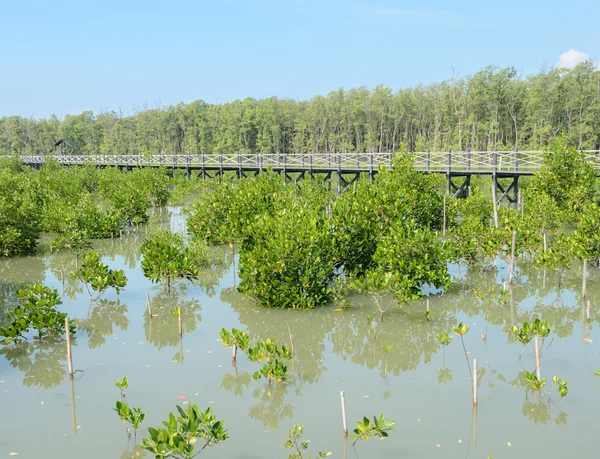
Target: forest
(494,108)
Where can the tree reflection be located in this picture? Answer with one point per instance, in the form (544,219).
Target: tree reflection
(42,361)
(162,329)
(271,409)
(104,316)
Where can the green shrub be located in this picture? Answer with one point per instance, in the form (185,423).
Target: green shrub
(288,261)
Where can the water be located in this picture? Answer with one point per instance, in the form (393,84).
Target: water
(425,389)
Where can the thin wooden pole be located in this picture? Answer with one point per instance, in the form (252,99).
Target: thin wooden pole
(537,358)
(345,425)
(444,229)
(179,321)
(584,282)
(512,257)
(545,243)
(291,339)
(495,204)
(474,382)
(73,411)
(69,354)
(148,306)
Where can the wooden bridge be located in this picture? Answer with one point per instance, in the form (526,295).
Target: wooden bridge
(504,167)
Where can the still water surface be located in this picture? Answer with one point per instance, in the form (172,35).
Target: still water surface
(396,366)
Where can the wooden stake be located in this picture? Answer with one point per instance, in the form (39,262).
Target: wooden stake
(474,382)
(69,355)
(537,359)
(179,321)
(587,310)
(345,425)
(512,257)
(584,283)
(427,304)
(545,243)
(444,228)
(494,203)
(149,306)
(291,339)
(73,412)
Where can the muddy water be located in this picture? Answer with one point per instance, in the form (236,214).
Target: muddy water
(394,366)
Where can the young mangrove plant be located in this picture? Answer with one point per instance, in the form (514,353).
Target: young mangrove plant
(130,416)
(296,443)
(168,259)
(461,330)
(181,434)
(275,357)
(561,386)
(535,382)
(38,311)
(235,339)
(98,277)
(122,384)
(378,428)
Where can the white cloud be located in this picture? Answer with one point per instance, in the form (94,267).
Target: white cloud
(572,58)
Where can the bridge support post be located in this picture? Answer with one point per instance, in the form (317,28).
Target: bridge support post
(339,172)
(203,166)
(427,160)
(371,167)
(284,168)
(310,166)
(220,166)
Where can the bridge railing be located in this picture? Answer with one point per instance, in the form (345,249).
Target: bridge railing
(475,161)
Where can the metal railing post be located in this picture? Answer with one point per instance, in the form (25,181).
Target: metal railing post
(468,159)
(449,170)
(516,159)
(371,167)
(427,160)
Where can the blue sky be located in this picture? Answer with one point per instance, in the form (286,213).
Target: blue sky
(65,56)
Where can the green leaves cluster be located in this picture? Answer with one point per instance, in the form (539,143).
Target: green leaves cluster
(378,428)
(168,259)
(528,331)
(38,310)
(180,434)
(300,446)
(98,277)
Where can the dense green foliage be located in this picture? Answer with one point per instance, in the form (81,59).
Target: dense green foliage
(98,277)
(168,259)
(20,211)
(39,311)
(495,108)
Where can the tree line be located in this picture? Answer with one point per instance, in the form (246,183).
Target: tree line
(494,108)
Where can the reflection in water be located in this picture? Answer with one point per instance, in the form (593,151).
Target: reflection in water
(102,318)
(42,361)
(236,383)
(162,328)
(271,409)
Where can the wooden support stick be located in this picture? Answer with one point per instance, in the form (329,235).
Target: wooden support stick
(344,414)
(291,339)
(587,310)
(73,412)
(537,359)
(148,306)
(584,282)
(427,304)
(69,354)
(179,321)
(494,202)
(474,382)
(512,258)
(545,243)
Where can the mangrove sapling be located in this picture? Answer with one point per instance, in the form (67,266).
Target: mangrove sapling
(180,435)
(38,311)
(534,381)
(296,443)
(122,384)
(561,384)
(131,416)
(97,276)
(275,357)
(235,339)
(378,428)
(168,259)
(461,330)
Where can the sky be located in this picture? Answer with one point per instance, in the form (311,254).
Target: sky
(66,56)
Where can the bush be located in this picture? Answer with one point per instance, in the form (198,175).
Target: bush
(20,212)
(288,260)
